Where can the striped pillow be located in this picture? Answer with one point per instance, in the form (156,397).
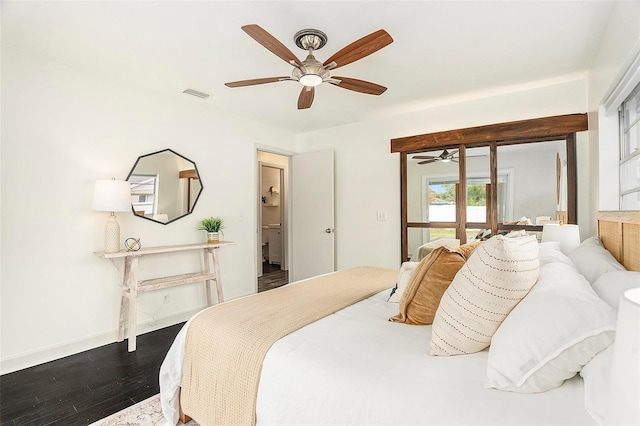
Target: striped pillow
(489,285)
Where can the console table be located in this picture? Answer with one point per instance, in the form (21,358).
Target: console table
(131,286)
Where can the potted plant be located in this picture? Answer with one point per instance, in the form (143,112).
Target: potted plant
(213,226)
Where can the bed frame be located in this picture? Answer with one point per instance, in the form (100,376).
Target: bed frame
(620,234)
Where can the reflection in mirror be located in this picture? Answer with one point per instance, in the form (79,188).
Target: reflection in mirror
(431,196)
(431,180)
(478,176)
(537,183)
(423,240)
(165,186)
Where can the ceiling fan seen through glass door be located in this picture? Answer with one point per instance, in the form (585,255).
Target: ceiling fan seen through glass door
(445,157)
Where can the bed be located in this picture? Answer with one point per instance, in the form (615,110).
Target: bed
(354,366)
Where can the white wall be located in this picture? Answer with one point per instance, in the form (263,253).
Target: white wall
(368,175)
(63,128)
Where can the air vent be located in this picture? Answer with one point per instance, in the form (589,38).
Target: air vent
(196,93)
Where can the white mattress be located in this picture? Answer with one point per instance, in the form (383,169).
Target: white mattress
(355,367)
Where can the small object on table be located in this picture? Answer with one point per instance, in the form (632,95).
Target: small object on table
(132,244)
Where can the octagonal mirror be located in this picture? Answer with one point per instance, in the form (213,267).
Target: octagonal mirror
(165,186)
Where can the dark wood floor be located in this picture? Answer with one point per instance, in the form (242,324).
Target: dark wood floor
(272,277)
(86,387)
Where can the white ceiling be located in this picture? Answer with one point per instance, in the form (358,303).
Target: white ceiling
(442,50)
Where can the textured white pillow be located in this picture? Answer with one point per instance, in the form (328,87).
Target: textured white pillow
(611,285)
(593,260)
(499,273)
(406,271)
(551,334)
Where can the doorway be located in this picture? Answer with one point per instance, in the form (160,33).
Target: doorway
(273,202)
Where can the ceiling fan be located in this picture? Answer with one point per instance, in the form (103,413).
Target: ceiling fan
(445,157)
(310,72)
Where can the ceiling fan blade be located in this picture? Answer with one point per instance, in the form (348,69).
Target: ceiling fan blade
(271,43)
(427,161)
(306,97)
(423,157)
(452,153)
(360,48)
(255,81)
(359,85)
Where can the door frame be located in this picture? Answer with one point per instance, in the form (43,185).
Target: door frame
(285,211)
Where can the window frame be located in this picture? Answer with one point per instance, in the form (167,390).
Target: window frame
(626,156)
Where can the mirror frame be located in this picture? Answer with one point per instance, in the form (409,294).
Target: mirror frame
(562,127)
(195,166)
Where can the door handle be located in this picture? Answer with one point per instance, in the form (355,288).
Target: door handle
(329,230)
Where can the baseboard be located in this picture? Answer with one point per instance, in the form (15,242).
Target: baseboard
(57,351)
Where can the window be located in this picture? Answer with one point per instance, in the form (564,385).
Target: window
(630,152)
(439,202)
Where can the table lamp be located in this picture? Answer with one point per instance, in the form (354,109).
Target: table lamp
(567,235)
(624,387)
(112,196)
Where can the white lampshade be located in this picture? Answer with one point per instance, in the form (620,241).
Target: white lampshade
(112,196)
(624,386)
(567,235)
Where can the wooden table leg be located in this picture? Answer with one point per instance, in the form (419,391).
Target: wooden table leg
(133,302)
(207,269)
(124,298)
(216,270)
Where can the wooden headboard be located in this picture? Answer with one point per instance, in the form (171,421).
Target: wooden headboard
(620,234)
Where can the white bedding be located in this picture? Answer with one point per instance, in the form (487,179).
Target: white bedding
(355,367)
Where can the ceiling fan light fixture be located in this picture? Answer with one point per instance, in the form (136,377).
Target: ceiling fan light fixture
(446,160)
(310,80)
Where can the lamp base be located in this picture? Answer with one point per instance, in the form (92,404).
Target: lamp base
(112,235)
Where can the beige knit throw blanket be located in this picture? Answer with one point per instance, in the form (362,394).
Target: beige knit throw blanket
(227,343)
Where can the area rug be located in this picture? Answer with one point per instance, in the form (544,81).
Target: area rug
(144,413)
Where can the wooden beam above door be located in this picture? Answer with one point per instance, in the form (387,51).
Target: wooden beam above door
(559,125)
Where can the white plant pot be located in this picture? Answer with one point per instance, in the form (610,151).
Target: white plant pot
(213,237)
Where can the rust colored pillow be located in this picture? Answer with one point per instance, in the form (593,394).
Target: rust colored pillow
(430,280)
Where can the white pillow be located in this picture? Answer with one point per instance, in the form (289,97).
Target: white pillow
(611,285)
(551,334)
(593,260)
(494,279)
(596,383)
(549,251)
(406,271)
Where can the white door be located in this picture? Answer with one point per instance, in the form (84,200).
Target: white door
(312,211)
